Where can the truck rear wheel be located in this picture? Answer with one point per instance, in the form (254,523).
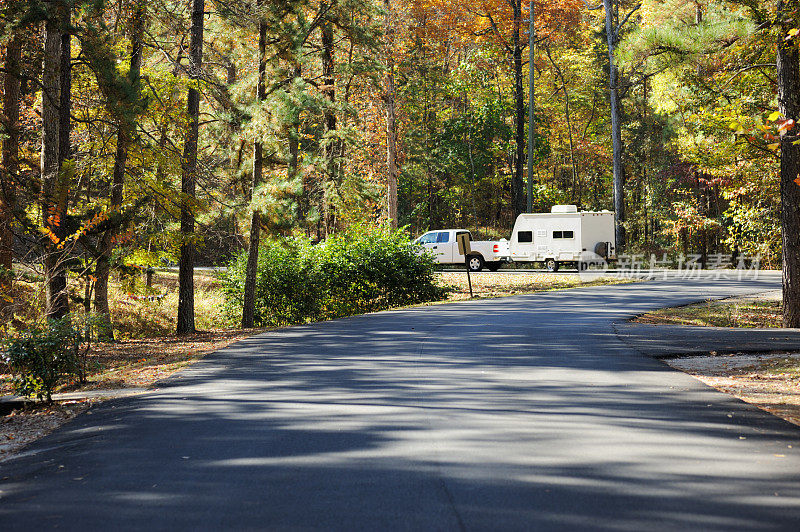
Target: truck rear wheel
(475,263)
(551,265)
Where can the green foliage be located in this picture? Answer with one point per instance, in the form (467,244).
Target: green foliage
(43,357)
(364,269)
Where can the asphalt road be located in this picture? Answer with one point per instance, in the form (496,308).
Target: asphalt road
(504,414)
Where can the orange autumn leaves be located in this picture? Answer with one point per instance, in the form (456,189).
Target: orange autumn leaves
(484,20)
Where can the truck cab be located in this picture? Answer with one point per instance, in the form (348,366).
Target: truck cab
(443,246)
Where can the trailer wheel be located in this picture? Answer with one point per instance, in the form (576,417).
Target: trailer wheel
(551,265)
(493,266)
(475,263)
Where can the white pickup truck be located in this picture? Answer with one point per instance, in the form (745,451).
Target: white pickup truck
(444,248)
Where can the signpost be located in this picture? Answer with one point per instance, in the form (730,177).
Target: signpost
(465,249)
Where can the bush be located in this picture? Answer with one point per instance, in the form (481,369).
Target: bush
(43,357)
(361,270)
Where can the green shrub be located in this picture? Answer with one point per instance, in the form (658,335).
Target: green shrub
(43,357)
(361,270)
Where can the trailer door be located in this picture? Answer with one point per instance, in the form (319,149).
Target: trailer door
(523,244)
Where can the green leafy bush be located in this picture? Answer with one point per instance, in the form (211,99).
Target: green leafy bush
(361,270)
(43,357)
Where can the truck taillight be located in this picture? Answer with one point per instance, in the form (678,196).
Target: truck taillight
(496,248)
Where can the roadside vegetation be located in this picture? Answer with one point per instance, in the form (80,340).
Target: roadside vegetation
(733,312)
(363,269)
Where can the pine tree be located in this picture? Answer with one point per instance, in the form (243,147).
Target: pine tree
(10,169)
(186,324)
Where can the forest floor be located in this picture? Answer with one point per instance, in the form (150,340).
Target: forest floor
(770,381)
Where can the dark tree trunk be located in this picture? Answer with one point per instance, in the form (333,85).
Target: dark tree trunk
(390,97)
(189,178)
(518,200)
(56,303)
(8,174)
(331,143)
(58,282)
(248,311)
(65,95)
(294,153)
(125,132)
(788,67)
(292,167)
(616,132)
(531,103)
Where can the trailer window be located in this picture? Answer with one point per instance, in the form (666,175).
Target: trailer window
(563,234)
(525,236)
(443,237)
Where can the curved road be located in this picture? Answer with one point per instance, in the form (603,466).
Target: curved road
(504,414)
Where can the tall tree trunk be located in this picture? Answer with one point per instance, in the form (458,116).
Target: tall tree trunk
(616,133)
(294,154)
(59,280)
(248,311)
(125,131)
(8,174)
(390,96)
(189,177)
(531,103)
(788,66)
(65,95)
(517,182)
(56,303)
(329,91)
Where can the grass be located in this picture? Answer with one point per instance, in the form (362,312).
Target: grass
(734,312)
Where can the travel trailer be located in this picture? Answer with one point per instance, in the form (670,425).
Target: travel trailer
(563,236)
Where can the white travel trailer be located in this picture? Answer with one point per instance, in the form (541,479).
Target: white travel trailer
(563,235)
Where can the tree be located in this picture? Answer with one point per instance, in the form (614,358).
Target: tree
(10,169)
(186,323)
(390,102)
(53,198)
(248,311)
(127,112)
(331,143)
(788,66)
(613,26)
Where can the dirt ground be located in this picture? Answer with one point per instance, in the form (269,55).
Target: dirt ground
(770,381)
